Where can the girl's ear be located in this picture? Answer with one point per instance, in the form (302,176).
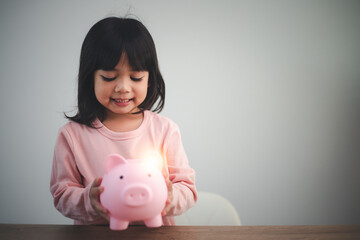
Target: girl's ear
(114,160)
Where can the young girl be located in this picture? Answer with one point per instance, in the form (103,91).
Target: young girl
(119,83)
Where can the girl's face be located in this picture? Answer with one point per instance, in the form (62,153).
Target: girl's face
(121,90)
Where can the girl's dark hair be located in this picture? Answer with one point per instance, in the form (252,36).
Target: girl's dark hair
(102,48)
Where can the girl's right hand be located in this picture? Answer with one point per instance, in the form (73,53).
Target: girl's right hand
(94,195)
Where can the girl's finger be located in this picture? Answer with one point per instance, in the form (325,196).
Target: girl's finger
(96,182)
(169,185)
(166,210)
(94,191)
(98,207)
(102,211)
(99,180)
(99,190)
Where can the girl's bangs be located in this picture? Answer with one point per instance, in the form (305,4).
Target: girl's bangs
(138,55)
(108,59)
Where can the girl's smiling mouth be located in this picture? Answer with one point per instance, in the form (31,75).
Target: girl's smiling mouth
(122,101)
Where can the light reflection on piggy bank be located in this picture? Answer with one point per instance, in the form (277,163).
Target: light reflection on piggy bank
(133,191)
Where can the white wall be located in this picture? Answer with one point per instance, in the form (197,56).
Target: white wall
(266,94)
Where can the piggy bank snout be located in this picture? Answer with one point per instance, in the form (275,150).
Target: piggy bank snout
(136,194)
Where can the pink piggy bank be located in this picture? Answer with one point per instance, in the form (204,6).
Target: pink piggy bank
(133,191)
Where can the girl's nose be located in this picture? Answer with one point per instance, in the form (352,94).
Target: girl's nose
(122,86)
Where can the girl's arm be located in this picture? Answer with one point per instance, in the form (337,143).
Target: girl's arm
(71,197)
(181,175)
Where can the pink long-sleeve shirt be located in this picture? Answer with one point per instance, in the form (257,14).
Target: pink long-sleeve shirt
(80,153)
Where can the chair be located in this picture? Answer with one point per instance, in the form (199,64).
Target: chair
(210,209)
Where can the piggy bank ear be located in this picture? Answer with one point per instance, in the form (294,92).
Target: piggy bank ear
(114,160)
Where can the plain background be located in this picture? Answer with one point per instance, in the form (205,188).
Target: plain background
(266,94)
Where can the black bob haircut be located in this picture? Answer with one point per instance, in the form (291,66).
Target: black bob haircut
(102,48)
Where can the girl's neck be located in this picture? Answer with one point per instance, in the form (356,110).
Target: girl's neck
(123,122)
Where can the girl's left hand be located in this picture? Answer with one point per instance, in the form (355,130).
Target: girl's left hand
(94,195)
(169,199)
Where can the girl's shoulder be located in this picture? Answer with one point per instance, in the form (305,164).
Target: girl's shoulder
(72,128)
(158,119)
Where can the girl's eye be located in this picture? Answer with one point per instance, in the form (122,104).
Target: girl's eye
(136,79)
(108,79)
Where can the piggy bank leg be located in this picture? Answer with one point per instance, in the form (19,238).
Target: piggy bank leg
(154,222)
(116,224)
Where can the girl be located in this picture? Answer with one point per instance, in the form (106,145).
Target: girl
(119,83)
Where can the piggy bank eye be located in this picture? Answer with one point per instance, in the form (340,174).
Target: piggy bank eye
(149,174)
(121,177)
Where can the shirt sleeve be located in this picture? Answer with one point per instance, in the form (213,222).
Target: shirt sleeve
(71,197)
(180,173)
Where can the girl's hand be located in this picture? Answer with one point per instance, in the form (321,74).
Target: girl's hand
(169,199)
(94,195)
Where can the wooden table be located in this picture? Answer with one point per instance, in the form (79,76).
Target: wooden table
(68,232)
